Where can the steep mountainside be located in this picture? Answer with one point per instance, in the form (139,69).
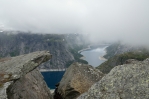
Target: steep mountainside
(58,45)
(120,48)
(118,54)
(122,59)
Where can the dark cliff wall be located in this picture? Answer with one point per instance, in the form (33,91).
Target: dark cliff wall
(23,43)
(63,47)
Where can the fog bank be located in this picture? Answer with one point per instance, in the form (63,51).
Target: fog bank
(105,20)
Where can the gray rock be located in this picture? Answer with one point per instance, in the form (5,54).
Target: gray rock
(20,65)
(30,86)
(6,76)
(77,79)
(3,90)
(18,77)
(128,81)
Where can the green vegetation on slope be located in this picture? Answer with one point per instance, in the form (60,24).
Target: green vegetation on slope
(111,50)
(120,59)
(76,55)
(14,53)
(61,46)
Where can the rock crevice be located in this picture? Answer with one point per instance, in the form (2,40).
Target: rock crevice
(128,81)
(20,79)
(77,79)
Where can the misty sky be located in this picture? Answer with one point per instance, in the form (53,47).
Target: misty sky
(110,20)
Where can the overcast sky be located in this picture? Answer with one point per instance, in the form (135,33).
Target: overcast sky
(110,20)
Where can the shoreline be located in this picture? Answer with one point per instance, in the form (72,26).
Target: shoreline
(47,70)
(102,58)
(52,90)
(90,48)
(83,58)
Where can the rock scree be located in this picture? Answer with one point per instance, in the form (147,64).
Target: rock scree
(19,78)
(77,79)
(127,81)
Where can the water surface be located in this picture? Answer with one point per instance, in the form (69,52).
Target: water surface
(94,56)
(52,77)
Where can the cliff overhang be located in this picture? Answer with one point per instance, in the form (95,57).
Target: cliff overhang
(14,68)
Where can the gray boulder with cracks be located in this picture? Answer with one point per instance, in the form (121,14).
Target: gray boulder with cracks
(19,78)
(128,81)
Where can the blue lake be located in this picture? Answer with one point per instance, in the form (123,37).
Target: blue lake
(52,77)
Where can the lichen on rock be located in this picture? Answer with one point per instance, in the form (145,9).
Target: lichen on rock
(77,79)
(21,69)
(128,81)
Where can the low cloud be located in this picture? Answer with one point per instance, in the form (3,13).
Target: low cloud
(101,20)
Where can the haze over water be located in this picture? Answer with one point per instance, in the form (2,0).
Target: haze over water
(93,56)
(99,20)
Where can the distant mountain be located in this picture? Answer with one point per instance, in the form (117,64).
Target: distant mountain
(118,54)
(62,46)
(121,59)
(120,48)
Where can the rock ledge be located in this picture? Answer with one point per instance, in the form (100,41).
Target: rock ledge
(15,68)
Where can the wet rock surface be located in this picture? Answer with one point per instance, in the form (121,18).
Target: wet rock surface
(77,79)
(19,78)
(128,81)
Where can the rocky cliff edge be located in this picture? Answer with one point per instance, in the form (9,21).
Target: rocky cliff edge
(19,78)
(77,79)
(128,81)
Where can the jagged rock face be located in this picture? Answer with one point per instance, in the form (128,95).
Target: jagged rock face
(23,43)
(77,79)
(128,81)
(30,86)
(16,73)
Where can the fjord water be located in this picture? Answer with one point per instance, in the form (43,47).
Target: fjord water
(94,56)
(52,77)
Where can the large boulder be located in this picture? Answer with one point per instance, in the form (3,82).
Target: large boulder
(19,78)
(128,81)
(77,79)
